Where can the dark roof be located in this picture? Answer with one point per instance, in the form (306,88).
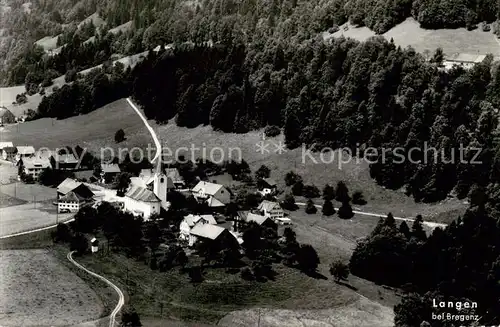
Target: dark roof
(10,149)
(141,194)
(71,197)
(65,158)
(269,181)
(110,168)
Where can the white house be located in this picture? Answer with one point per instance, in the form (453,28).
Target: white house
(24,152)
(190,221)
(141,202)
(212,233)
(215,195)
(271,209)
(71,202)
(174,175)
(34,166)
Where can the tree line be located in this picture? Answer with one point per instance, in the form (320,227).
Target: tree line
(459,263)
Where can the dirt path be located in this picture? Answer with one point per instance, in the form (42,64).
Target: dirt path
(121,297)
(372,214)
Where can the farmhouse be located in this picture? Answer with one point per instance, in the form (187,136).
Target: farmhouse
(108,172)
(174,175)
(271,209)
(34,166)
(65,161)
(261,221)
(9,153)
(142,202)
(70,185)
(6,116)
(215,195)
(464,60)
(71,202)
(218,237)
(5,145)
(24,152)
(190,221)
(267,186)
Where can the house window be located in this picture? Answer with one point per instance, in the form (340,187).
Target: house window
(162,180)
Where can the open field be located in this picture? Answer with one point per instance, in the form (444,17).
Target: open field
(26,207)
(355,173)
(361,313)
(409,33)
(8,201)
(38,290)
(29,192)
(93,131)
(48,42)
(8,96)
(222,293)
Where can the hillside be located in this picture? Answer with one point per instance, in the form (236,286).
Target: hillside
(410,33)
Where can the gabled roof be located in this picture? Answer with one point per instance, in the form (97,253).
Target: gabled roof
(268,205)
(213,202)
(32,163)
(5,111)
(141,194)
(211,232)
(256,218)
(25,150)
(207,188)
(191,219)
(269,181)
(174,174)
(68,185)
(65,158)
(6,144)
(71,197)
(10,149)
(110,168)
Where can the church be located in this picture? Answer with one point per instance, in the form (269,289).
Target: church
(147,194)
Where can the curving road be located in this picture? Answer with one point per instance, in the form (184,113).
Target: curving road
(371,214)
(150,129)
(121,297)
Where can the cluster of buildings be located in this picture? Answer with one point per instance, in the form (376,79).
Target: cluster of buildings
(147,196)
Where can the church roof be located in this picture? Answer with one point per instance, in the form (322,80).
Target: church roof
(141,194)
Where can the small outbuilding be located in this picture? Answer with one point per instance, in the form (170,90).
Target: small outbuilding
(94,245)
(6,116)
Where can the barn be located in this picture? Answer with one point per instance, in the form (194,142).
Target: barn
(6,116)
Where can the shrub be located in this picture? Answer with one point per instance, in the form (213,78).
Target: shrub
(357,198)
(289,202)
(345,211)
(272,130)
(291,178)
(119,136)
(310,191)
(339,270)
(247,274)
(310,208)
(297,188)
(328,208)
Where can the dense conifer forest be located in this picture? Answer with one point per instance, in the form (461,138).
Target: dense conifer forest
(270,66)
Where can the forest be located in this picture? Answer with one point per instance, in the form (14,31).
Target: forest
(167,21)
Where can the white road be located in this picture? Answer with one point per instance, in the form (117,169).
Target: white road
(121,297)
(150,129)
(371,214)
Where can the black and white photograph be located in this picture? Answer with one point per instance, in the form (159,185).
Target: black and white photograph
(250,163)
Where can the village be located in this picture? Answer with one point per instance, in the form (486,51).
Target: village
(147,194)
